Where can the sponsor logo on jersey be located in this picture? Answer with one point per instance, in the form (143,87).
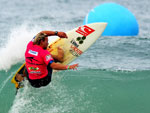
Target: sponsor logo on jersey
(48,57)
(85,30)
(34,70)
(33,52)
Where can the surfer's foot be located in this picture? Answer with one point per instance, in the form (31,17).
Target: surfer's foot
(60,54)
(19,77)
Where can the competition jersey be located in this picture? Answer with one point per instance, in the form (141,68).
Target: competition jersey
(37,59)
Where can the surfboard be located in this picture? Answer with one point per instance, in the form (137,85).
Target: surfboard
(78,41)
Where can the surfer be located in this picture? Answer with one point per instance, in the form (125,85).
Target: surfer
(39,61)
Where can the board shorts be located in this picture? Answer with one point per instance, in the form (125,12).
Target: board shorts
(37,83)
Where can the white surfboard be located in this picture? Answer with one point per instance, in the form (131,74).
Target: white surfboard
(79,40)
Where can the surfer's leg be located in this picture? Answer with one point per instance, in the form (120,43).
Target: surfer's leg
(19,77)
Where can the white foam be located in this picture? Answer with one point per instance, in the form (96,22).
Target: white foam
(53,98)
(14,48)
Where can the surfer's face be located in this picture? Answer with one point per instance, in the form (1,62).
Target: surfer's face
(45,43)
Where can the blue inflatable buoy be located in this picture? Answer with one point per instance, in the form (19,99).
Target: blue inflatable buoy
(121,22)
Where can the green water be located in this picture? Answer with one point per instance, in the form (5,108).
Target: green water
(113,74)
(84,91)
(97,91)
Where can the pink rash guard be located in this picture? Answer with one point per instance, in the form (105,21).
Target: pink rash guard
(37,59)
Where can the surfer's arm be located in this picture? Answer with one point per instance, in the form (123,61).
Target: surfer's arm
(63,67)
(55,33)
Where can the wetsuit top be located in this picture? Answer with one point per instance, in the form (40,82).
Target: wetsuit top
(37,59)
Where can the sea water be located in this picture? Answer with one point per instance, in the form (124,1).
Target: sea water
(113,74)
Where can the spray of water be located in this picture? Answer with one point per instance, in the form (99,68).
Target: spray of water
(13,50)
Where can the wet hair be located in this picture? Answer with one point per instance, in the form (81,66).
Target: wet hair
(39,37)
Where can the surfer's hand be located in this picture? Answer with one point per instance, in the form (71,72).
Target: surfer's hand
(74,66)
(62,35)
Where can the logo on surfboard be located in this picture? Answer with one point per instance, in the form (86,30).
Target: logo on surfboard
(81,39)
(85,30)
(75,51)
(74,43)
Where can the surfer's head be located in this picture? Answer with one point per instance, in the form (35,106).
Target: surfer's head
(42,40)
